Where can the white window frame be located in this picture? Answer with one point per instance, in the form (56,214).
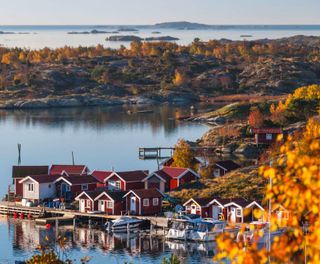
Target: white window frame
(238,212)
(84,187)
(88,203)
(32,187)
(155,201)
(118,185)
(145,202)
(109,204)
(269,136)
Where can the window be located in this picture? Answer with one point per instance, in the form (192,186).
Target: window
(216,173)
(145,202)
(114,185)
(88,203)
(84,187)
(155,201)
(118,185)
(238,212)
(30,187)
(109,204)
(268,136)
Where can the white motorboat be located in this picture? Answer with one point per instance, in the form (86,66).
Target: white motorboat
(207,231)
(257,232)
(180,229)
(124,224)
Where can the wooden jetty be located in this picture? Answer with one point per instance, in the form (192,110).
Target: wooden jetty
(158,152)
(69,216)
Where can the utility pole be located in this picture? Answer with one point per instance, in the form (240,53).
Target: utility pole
(19,154)
(72,158)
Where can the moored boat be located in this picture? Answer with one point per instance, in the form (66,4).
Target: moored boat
(124,224)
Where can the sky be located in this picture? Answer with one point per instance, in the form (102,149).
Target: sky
(115,12)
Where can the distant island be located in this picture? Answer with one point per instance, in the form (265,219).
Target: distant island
(92,32)
(12,33)
(182,25)
(136,38)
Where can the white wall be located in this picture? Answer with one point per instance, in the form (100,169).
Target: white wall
(31,195)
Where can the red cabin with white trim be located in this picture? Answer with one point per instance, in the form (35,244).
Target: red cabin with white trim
(125,181)
(144,202)
(170,178)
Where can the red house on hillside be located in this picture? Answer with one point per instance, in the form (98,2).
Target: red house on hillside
(169,178)
(144,202)
(222,167)
(69,187)
(20,172)
(102,200)
(266,136)
(125,181)
(68,170)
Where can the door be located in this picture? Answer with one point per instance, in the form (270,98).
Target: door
(102,206)
(82,206)
(233,215)
(133,204)
(193,209)
(215,212)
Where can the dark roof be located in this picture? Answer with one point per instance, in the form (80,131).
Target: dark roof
(70,169)
(80,179)
(133,176)
(23,171)
(43,178)
(203,201)
(239,201)
(169,162)
(115,195)
(228,165)
(267,131)
(148,193)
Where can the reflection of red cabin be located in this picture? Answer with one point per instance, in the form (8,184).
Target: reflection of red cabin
(102,200)
(266,136)
(69,187)
(69,170)
(20,172)
(170,178)
(144,202)
(125,181)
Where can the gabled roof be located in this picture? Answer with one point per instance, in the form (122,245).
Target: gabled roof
(240,202)
(168,162)
(203,202)
(96,194)
(40,178)
(79,179)
(168,173)
(68,169)
(101,175)
(228,165)
(146,193)
(24,171)
(267,131)
(129,176)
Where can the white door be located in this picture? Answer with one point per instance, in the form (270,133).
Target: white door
(193,209)
(215,212)
(233,215)
(133,204)
(82,206)
(102,206)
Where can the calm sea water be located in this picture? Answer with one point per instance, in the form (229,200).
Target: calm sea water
(20,238)
(56,36)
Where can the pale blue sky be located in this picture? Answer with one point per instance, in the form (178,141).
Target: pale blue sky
(33,12)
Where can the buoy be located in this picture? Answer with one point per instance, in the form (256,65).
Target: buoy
(48,226)
(15,215)
(21,215)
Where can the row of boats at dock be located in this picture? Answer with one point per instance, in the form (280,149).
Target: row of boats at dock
(196,229)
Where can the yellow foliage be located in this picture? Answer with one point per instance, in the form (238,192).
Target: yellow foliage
(295,177)
(183,155)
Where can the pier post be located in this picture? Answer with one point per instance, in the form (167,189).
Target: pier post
(74,223)
(57,227)
(89,223)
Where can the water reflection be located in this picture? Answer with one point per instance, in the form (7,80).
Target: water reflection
(99,245)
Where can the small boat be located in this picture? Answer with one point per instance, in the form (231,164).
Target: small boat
(180,229)
(257,232)
(207,231)
(124,224)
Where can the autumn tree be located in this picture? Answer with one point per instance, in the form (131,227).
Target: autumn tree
(295,176)
(255,118)
(180,78)
(183,155)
